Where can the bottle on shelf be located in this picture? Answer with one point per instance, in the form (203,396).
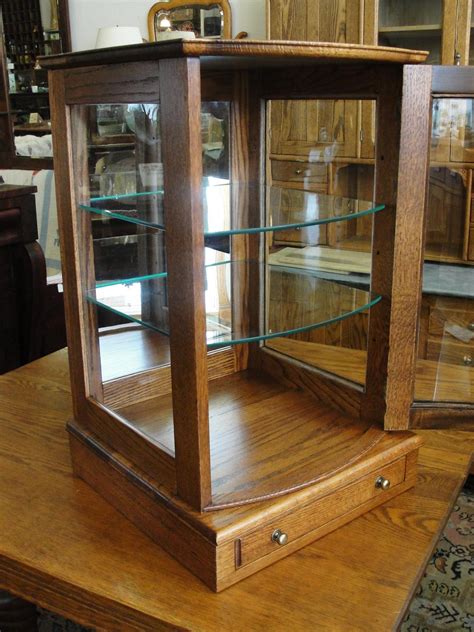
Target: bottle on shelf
(11,76)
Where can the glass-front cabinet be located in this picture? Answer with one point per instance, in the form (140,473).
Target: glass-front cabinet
(442,27)
(445,369)
(240,337)
(316,295)
(28,29)
(412,24)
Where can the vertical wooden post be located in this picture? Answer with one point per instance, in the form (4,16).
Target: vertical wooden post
(76,247)
(401,182)
(387,146)
(247,125)
(463,26)
(151,254)
(448,40)
(180,92)
(409,245)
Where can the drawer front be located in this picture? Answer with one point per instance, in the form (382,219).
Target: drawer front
(311,236)
(296,524)
(444,322)
(450,352)
(311,175)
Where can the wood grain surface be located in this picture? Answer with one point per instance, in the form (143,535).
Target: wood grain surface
(180,120)
(265,438)
(248,52)
(65,548)
(409,245)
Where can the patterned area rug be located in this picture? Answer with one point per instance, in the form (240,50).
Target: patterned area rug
(445,598)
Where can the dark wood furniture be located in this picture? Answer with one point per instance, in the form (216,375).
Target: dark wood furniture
(65,548)
(23,38)
(22,278)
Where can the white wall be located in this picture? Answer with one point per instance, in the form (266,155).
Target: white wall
(87,16)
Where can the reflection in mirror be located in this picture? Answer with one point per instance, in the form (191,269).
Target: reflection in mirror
(181,18)
(324,269)
(445,359)
(31,28)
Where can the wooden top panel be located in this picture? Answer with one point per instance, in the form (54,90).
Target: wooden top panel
(65,547)
(237,54)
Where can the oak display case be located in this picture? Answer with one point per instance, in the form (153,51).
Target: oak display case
(210,419)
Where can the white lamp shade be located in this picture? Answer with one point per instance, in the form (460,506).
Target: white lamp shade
(118,36)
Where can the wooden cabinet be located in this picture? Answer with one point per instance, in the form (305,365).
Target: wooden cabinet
(193,419)
(445,349)
(28,28)
(302,132)
(22,279)
(439,26)
(311,130)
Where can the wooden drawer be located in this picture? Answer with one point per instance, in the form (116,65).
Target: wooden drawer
(441,319)
(297,524)
(450,352)
(300,237)
(312,175)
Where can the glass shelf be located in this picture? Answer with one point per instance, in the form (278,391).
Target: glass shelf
(286,208)
(297,301)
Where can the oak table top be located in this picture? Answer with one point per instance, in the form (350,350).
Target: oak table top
(65,548)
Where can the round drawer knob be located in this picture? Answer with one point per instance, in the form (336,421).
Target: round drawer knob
(471,326)
(279,537)
(298,172)
(467,360)
(382,483)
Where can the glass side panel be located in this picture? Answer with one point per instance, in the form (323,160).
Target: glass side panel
(287,208)
(315,147)
(412,24)
(118,160)
(124,146)
(123,251)
(315,301)
(118,153)
(445,365)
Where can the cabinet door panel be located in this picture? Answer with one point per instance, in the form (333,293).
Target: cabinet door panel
(462,130)
(316,130)
(445,370)
(418,24)
(300,127)
(446,211)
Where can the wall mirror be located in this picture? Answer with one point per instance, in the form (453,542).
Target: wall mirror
(29,29)
(204,18)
